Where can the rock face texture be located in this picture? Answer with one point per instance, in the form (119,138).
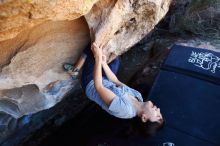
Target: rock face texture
(122,23)
(33,79)
(200,17)
(37,37)
(18,15)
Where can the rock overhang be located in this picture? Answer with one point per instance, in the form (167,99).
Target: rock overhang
(37,37)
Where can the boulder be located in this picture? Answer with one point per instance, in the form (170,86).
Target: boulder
(17,16)
(116,25)
(32,78)
(38,36)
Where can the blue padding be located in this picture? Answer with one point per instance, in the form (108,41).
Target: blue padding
(200,61)
(189,106)
(172,137)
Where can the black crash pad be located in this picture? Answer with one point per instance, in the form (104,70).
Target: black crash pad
(187,89)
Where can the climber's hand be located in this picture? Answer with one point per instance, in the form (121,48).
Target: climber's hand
(97,52)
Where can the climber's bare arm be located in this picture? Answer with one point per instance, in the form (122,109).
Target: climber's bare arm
(106,94)
(111,76)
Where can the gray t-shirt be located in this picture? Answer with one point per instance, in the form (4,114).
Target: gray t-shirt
(121,106)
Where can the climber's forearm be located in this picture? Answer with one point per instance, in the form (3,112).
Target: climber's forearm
(105,94)
(98,73)
(111,76)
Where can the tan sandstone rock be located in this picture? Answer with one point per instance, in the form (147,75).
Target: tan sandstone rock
(18,15)
(122,23)
(33,49)
(32,77)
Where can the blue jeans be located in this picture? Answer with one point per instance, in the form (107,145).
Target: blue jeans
(88,67)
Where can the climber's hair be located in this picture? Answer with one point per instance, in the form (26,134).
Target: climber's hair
(145,129)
